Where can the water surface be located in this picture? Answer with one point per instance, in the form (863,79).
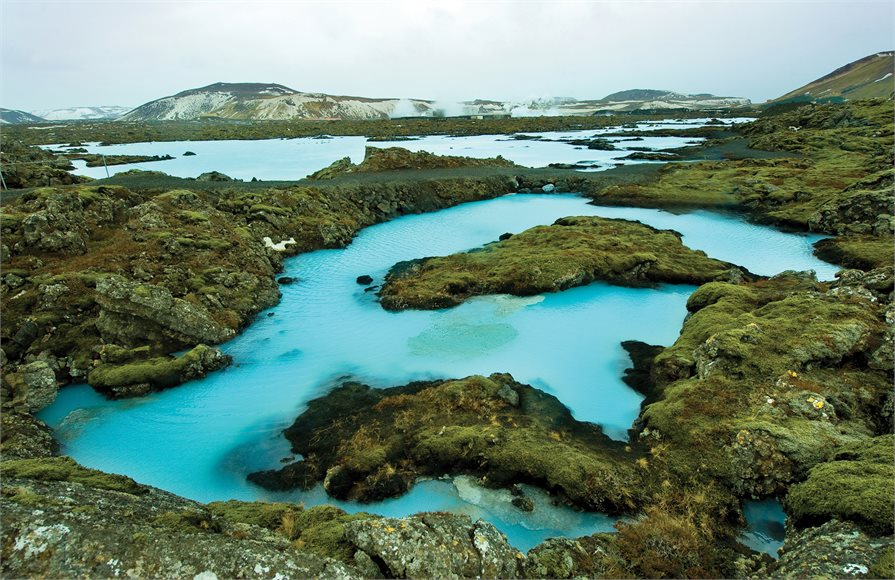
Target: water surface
(290,159)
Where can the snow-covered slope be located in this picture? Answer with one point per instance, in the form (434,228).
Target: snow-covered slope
(83,113)
(12,117)
(270,102)
(260,101)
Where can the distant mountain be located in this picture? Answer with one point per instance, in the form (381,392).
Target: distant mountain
(270,102)
(867,78)
(653,99)
(641,95)
(83,113)
(259,101)
(14,117)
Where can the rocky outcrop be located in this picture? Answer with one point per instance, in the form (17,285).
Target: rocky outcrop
(834,550)
(133,314)
(435,546)
(369,444)
(130,373)
(572,252)
(24,435)
(762,372)
(377,159)
(589,557)
(61,521)
(34,385)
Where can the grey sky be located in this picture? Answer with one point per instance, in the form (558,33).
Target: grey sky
(59,54)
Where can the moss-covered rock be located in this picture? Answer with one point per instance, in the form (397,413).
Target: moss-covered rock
(369,444)
(856,484)
(66,469)
(436,545)
(836,549)
(767,379)
(61,520)
(594,556)
(571,252)
(377,159)
(136,375)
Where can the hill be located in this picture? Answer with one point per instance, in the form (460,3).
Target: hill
(15,117)
(266,101)
(867,78)
(83,113)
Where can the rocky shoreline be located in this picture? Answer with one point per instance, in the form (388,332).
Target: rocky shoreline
(777,387)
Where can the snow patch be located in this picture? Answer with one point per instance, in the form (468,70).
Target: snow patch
(883,78)
(280,247)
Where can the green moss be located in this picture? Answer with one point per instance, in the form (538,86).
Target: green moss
(65,469)
(158,372)
(25,496)
(263,208)
(857,484)
(194,217)
(571,252)
(862,252)
(187,521)
(321,529)
(884,566)
(257,513)
(835,148)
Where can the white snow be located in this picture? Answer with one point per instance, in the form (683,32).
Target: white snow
(280,247)
(883,78)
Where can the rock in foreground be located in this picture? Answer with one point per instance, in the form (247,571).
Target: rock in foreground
(369,444)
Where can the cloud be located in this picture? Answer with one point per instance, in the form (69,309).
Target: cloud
(55,54)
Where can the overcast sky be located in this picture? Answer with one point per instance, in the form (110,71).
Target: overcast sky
(59,54)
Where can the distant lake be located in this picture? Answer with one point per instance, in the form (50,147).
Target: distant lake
(291,159)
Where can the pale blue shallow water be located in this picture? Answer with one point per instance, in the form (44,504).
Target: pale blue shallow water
(200,440)
(288,159)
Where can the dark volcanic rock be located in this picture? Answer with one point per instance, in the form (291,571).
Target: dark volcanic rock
(365,280)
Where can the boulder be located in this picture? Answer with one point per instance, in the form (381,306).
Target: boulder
(214,176)
(436,545)
(588,557)
(133,314)
(834,550)
(40,381)
(365,280)
(35,385)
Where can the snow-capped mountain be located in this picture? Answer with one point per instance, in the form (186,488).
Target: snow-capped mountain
(83,113)
(259,101)
(13,117)
(270,102)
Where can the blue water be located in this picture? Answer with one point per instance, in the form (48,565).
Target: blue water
(287,159)
(766,522)
(200,440)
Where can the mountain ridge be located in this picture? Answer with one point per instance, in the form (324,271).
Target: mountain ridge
(15,117)
(865,78)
